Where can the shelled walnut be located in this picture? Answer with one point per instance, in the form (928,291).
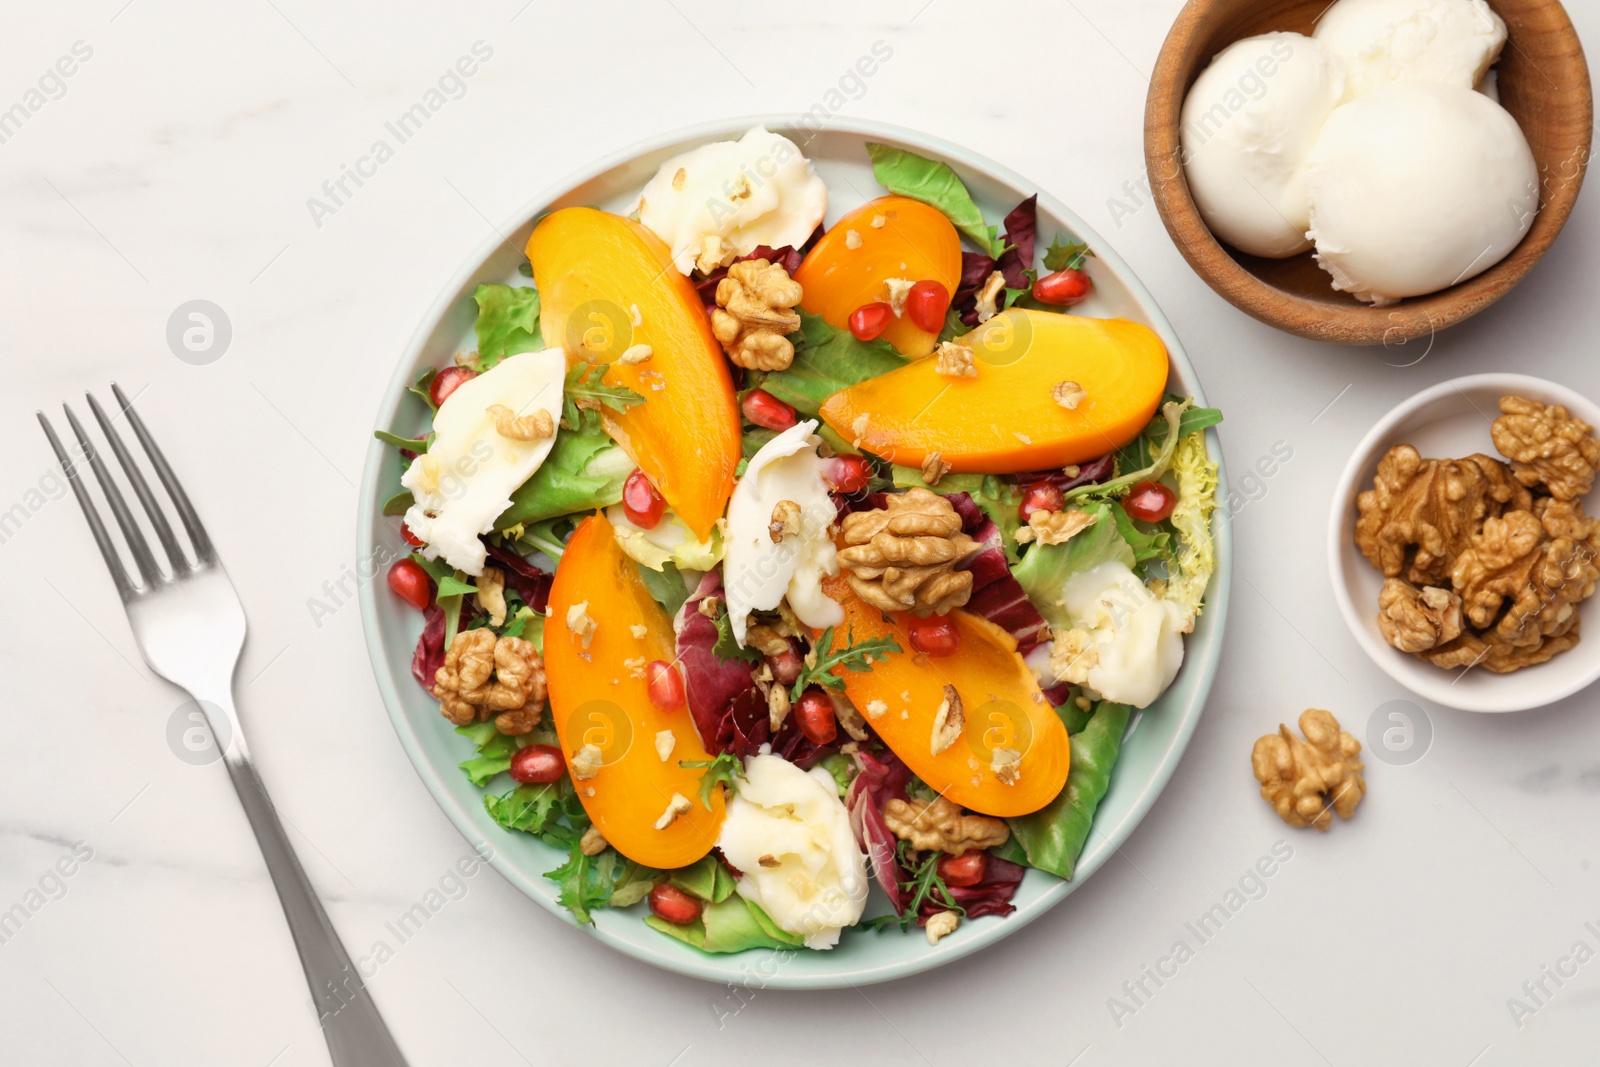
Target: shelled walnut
(1547,446)
(1421,513)
(1304,780)
(903,556)
(1415,620)
(938,825)
(755,310)
(486,675)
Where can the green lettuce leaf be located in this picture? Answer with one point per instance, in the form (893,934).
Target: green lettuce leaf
(584,471)
(733,925)
(528,808)
(934,183)
(494,751)
(508,322)
(1045,569)
(1053,837)
(399,504)
(666,587)
(826,360)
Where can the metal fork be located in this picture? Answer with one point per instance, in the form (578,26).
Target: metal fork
(190,627)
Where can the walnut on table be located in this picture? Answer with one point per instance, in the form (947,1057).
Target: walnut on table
(1547,446)
(1304,780)
(938,825)
(903,556)
(485,675)
(1415,620)
(1420,514)
(755,310)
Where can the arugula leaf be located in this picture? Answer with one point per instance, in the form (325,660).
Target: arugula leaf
(1068,256)
(923,884)
(410,444)
(584,381)
(508,322)
(450,585)
(826,360)
(665,586)
(934,183)
(528,808)
(399,504)
(722,770)
(823,658)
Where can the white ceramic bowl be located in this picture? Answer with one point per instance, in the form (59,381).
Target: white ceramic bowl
(1450,419)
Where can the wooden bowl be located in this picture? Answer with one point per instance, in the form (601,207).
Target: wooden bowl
(1544,83)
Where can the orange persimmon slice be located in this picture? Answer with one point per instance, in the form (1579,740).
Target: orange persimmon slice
(599,695)
(1003,706)
(1049,390)
(913,241)
(606,284)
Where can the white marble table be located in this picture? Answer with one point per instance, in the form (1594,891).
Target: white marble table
(177,162)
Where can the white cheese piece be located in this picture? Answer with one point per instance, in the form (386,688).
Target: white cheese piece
(465,479)
(758,190)
(818,885)
(757,573)
(1137,636)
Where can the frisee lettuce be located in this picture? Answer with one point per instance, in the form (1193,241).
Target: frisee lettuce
(1196,560)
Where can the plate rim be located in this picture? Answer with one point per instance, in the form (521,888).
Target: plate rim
(1398,666)
(722,969)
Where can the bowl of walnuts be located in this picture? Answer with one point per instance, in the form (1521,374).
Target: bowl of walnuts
(1463,542)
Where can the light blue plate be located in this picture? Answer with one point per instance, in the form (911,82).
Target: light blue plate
(1157,736)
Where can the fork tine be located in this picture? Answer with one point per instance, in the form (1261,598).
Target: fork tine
(141,489)
(191,521)
(108,550)
(119,507)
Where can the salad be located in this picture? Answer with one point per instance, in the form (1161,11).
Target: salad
(761,560)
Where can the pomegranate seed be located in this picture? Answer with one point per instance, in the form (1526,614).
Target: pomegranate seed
(764,409)
(1150,502)
(673,905)
(411,583)
(640,501)
(926,304)
(1063,288)
(1040,496)
(408,537)
(785,667)
(848,473)
(448,381)
(935,635)
(538,764)
(963,870)
(814,714)
(870,320)
(665,683)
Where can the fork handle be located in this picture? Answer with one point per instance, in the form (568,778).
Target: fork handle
(355,1032)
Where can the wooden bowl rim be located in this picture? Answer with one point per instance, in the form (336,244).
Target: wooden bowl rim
(1176,65)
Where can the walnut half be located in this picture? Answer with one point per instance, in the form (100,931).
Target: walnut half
(1415,620)
(1547,445)
(755,310)
(1303,780)
(486,675)
(938,825)
(903,556)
